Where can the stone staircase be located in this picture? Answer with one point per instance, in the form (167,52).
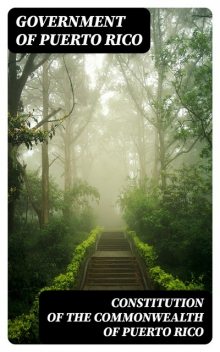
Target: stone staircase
(115,241)
(113,266)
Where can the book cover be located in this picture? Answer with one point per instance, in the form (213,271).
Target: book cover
(110,175)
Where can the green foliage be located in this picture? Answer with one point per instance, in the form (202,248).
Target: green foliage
(20,131)
(145,250)
(14,177)
(21,329)
(24,329)
(76,203)
(186,236)
(36,256)
(160,278)
(24,208)
(177,222)
(189,57)
(139,204)
(166,281)
(80,194)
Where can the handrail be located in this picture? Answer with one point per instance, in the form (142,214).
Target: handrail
(147,284)
(87,261)
(84,273)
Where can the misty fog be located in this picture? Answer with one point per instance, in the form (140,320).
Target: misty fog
(121,141)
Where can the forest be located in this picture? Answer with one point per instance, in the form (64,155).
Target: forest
(112,140)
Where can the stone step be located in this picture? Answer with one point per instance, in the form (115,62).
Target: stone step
(116,278)
(113,244)
(116,239)
(113,265)
(112,235)
(112,287)
(113,282)
(111,270)
(113,240)
(119,241)
(115,259)
(114,274)
(110,248)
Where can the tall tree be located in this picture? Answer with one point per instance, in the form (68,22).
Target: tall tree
(20,68)
(158,98)
(160,68)
(189,58)
(25,128)
(45,156)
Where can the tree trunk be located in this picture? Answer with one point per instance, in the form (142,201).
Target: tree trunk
(45,158)
(157,36)
(15,88)
(13,103)
(30,197)
(155,173)
(141,149)
(67,170)
(162,160)
(67,164)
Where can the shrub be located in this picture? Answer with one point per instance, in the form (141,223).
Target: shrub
(160,278)
(24,329)
(145,250)
(177,221)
